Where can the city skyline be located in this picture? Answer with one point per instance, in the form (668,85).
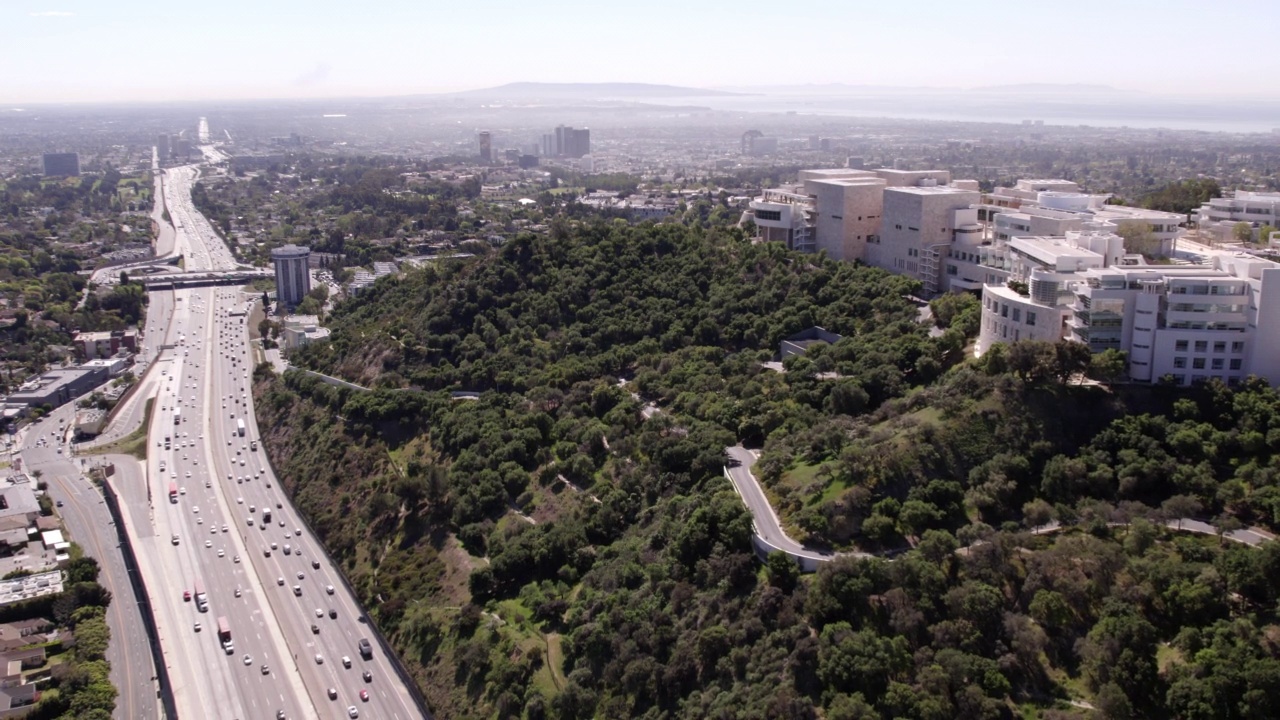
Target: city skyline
(329,50)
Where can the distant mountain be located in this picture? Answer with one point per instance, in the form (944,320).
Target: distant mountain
(587,91)
(1051,89)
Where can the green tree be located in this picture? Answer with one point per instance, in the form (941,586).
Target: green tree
(1242,232)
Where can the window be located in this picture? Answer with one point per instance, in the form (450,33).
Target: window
(1180,379)
(1180,362)
(1180,346)
(1202,346)
(1216,364)
(1237,347)
(1197,363)
(1235,363)
(1220,347)
(1004,310)
(774,215)
(1031,318)
(1017,315)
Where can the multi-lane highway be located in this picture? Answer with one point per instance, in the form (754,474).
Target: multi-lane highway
(294,629)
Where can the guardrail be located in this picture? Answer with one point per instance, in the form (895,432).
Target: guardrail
(167,699)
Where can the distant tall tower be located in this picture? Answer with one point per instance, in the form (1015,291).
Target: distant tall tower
(61,164)
(486,146)
(293,280)
(163,148)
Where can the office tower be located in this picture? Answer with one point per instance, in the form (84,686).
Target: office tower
(61,164)
(486,146)
(293,281)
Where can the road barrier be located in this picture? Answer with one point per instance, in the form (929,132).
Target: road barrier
(167,699)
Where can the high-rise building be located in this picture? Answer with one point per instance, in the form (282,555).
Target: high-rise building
(61,164)
(182,149)
(163,149)
(293,281)
(486,146)
(570,142)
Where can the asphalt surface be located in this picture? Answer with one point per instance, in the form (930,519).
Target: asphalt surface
(88,523)
(222,481)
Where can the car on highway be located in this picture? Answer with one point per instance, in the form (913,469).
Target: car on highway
(328,589)
(266,552)
(208,543)
(333,614)
(297,590)
(238,592)
(267,671)
(319,612)
(368,676)
(315,564)
(333,693)
(319,659)
(221,553)
(301,576)
(364,695)
(315,629)
(186,596)
(352,712)
(346,662)
(174,539)
(195,627)
(248,660)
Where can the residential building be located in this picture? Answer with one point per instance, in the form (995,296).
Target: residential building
(293,281)
(61,164)
(106,343)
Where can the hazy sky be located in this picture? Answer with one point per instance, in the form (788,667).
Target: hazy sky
(90,50)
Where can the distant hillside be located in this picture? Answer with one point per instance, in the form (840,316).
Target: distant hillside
(582,91)
(1051,89)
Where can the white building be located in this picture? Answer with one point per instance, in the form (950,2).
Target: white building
(1219,319)
(302,330)
(1256,208)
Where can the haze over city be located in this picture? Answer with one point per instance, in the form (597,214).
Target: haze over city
(80,51)
(506,360)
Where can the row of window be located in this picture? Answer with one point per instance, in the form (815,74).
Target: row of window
(1219,346)
(1180,361)
(1231,381)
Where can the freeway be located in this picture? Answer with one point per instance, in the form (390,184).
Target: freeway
(86,519)
(288,611)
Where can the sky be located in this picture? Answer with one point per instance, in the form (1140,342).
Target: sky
(135,50)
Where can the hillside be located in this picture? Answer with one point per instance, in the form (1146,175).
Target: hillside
(592,91)
(550,551)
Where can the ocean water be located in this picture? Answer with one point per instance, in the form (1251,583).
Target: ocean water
(1231,115)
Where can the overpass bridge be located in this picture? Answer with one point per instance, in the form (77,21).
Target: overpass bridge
(165,281)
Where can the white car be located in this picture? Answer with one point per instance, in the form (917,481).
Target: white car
(221,553)
(328,589)
(195,508)
(319,612)
(280,581)
(352,712)
(248,660)
(208,543)
(319,659)
(239,501)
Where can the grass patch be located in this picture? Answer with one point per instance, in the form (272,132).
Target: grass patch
(135,443)
(1167,656)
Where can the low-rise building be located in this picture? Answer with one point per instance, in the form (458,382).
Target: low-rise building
(58,387)
(302,330)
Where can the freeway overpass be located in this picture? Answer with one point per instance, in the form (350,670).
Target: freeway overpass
(203,279)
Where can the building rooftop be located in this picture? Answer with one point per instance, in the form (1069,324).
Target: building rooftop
(1052,250)
(931,190)
(290,251)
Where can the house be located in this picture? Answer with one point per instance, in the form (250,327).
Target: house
(800,343)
